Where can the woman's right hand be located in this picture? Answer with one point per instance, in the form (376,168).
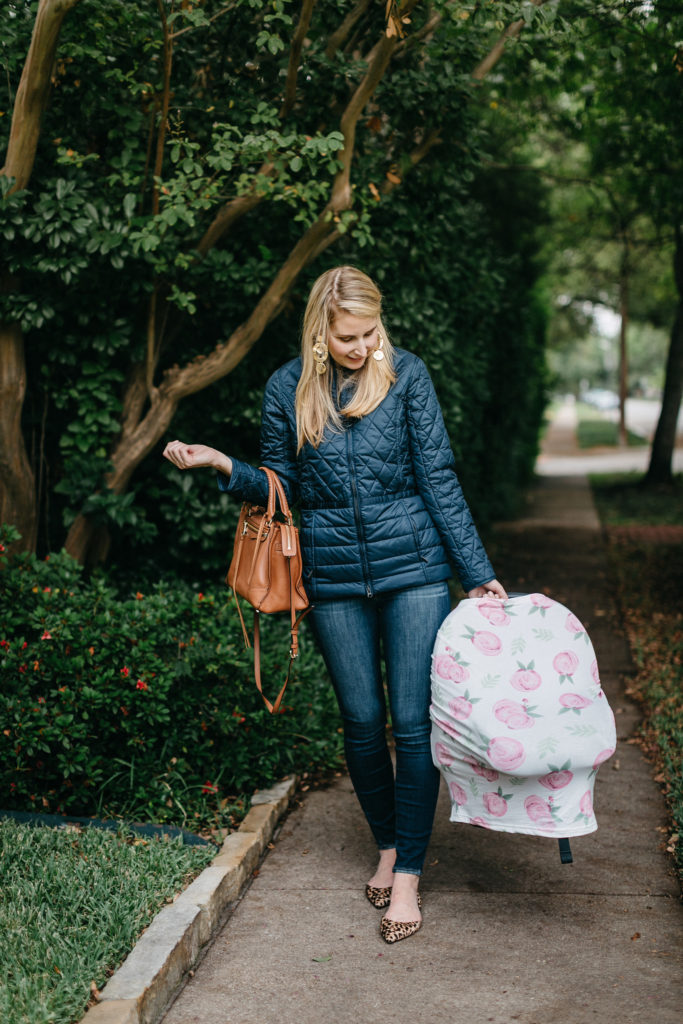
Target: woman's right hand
(192,456)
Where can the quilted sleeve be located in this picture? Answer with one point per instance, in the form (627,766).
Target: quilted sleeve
(438,484)
(278,452)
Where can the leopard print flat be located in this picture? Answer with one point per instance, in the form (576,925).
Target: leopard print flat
(378,897)
(382,897)
(394,931)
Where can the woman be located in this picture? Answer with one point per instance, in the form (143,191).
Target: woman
(354,431)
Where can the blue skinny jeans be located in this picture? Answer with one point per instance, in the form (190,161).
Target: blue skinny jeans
(352,633)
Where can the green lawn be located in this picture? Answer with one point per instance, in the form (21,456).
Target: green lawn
(72,904)
(594,430)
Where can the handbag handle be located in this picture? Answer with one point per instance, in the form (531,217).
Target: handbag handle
(275,487)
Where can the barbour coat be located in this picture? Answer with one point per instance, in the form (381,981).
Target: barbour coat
(381,506)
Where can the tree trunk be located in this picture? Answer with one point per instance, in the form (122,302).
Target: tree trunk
(623,351)
(660,470)
(17,484)
(87,541)
(34,90)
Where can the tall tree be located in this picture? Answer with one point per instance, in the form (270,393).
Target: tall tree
(17,492)
(614,98)
(178,147)
(660,469)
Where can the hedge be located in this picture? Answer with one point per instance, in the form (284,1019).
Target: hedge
(144,705)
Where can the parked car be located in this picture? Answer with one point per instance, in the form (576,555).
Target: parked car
(601,398)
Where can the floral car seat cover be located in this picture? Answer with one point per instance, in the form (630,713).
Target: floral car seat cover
(520,723)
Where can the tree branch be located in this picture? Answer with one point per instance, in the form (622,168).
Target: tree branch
(140,435)
(34,90)
(421,34)
(214,17)
(378,61)
(135,395)
(431,139)
(295,55)
(339,37)
(496,52)
(151,357)
(228,214)
(178,383)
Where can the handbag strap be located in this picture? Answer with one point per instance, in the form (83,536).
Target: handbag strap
(247,641)
(238,559)
(293,650)
(293,653)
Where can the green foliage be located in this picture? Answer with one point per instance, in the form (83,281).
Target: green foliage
(145,706)
(578,356)
(597,120)
(73,904)
(646,571)
(116,210)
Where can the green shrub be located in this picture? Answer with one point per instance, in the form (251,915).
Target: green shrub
(145,706)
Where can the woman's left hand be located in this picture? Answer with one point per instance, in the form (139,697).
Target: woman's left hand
(492,589)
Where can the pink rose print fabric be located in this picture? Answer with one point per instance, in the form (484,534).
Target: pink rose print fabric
(520,724)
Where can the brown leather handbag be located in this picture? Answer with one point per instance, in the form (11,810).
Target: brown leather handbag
(266,571)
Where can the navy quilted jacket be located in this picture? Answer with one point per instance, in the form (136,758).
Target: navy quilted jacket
(381,505)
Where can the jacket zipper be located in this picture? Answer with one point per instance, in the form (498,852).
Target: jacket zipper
(356,512)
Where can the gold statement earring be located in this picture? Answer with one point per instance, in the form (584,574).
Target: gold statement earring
(320,354)
(378,354)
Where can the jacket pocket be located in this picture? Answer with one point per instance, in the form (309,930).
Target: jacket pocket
(307,535)
(416,534)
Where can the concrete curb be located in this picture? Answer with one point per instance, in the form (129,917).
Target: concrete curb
(142,988)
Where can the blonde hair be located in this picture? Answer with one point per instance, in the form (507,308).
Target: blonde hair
(340,290)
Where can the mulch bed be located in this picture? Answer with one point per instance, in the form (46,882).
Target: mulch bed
(659,534)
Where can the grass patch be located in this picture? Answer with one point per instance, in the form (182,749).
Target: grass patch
(594,433)
(72,904)
(621,500)
(649,582)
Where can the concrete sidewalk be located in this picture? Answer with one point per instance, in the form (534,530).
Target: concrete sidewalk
(561,455)
(510,934)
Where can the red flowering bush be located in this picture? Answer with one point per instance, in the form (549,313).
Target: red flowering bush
(146,705)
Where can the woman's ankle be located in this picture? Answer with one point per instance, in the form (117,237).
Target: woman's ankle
(404,905)
(406,882)
(384,874)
